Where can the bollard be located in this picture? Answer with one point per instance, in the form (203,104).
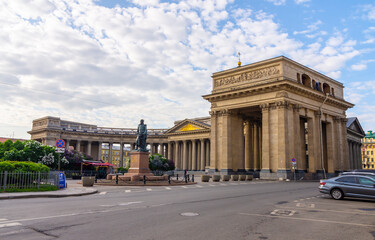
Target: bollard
(169,179)
(116,179)
(177,176)
(144,179)
(192,178)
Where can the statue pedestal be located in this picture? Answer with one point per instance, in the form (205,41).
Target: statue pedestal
(138,165)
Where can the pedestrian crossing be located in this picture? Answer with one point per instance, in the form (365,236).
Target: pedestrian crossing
(193,186)
(6,223)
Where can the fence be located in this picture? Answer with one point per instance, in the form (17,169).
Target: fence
(21,180)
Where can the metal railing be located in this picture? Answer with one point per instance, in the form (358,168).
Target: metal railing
(23,180)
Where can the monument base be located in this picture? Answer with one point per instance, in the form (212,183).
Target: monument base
(138,165)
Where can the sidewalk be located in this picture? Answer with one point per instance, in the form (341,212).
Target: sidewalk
(72,190)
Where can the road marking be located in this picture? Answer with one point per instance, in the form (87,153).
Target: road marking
(102,193)
(308,219)
(198,186)
(223,184)
(328,210)
(212,185)
(279,212)
(168,188)
(298,205)
(148,189)
(184,187)
(3,219)
(10,224)
(128,203)
(128,190)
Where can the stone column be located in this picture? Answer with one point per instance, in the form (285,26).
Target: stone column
(185,155)
(345,156)
(161,149)
(208,153)
(89,148)
(110,152)
(176,157)
(265,138)
(203,152)
(283,135)
(169,151)
(313,141)
(100,150)
(226,145)
(194,155)
(246,129)
(67,144)
(121,162)
(214,140)
(256,147)
(78,146)
(331,149)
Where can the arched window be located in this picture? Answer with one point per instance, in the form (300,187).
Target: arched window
(326,88)
(306,80)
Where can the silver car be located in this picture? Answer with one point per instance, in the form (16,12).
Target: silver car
(349,185)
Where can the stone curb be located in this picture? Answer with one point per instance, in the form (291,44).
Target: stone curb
(48,195)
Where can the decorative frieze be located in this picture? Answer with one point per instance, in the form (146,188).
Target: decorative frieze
(248,76)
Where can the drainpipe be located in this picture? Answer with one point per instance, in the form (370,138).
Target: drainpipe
(321,136)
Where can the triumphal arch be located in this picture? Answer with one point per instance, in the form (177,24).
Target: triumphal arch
(265,114)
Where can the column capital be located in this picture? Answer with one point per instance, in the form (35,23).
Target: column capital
(282,104)
(296,107)
(226,112)
(213,113)
(265,106)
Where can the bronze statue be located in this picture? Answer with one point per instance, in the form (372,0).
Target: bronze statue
(141,137)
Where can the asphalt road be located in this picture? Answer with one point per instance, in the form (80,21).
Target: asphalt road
(229,210)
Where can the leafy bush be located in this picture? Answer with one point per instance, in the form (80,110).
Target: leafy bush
(14,166)
(158,162)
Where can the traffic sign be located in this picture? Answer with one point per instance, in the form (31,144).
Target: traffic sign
(60,143)
(60,150)
(293,160)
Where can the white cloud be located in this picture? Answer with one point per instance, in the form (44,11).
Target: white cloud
(359,67)
(301,1)
(277,2)
(84,62)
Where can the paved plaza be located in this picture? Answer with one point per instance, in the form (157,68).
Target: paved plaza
(220,210)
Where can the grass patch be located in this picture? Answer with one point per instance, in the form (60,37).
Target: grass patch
(42,188)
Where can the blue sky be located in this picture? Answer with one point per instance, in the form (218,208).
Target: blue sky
(98,61)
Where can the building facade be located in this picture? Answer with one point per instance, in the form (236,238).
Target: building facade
(368,151)
(262,116)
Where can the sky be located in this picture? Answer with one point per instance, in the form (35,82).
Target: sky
(111,63)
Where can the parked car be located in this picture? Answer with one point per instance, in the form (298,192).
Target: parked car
(364,173)
(349,185)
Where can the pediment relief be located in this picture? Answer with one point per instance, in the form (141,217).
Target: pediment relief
(189,127)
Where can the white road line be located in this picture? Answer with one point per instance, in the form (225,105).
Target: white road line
(3,219)
(102,193)
(328,210)
(168,188)
(198,186)
(222,184)
(184,187)
(128,203)
(10,224)
(309,219)
(212,185)
(128,190)
(148,189)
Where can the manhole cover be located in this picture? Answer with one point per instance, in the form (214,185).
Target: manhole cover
(189,214)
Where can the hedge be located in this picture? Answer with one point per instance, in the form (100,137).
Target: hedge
(14,166)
